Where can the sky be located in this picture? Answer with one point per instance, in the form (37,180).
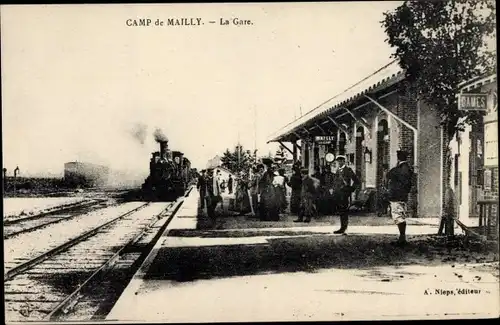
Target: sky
(78,84)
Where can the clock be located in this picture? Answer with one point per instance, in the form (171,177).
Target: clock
(329,157)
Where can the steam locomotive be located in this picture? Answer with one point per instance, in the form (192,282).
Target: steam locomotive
(169,175)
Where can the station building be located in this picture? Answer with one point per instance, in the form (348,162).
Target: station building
(474,153)
(368,123)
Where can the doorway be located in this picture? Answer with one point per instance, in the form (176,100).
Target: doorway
(342,143)
(316,156)
(383,153)
(476,167)
(359,161)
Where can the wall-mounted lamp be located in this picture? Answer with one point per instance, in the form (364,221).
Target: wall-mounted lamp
(368,155)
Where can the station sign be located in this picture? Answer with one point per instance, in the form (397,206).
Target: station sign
(324,139)
(473,102)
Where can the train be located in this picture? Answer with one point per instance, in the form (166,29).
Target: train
(170,174)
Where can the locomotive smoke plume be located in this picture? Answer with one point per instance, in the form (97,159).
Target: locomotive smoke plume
(139,132)
(160,136)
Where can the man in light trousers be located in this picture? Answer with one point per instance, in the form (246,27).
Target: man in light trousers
(400,181)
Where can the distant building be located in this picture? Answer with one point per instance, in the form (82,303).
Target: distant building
(224,173)
(85,174)
(214,162)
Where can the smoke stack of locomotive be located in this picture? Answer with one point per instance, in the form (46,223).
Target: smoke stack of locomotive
(163,149)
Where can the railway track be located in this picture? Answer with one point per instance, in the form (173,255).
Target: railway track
(95,298)
(49,285)
(22,248)
(56,210)
(24,225)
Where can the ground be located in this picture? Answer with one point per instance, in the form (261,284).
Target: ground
(247,270)
(292,247)
(309,246)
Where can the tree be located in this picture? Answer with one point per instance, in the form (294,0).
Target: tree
(237,160)
(440,44)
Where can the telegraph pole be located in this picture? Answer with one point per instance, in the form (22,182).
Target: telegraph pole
(254,128)
(4,184)
(238,151)
(255,133)
(16,171)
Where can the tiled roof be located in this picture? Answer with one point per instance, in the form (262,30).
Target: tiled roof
(380,79)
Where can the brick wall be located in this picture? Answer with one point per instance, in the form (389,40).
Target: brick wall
(407,110)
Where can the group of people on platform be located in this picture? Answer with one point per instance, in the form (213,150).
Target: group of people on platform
(263,192)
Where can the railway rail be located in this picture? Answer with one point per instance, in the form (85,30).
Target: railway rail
(94,299)
(19,226)
(60,248)
(49,285)
(22,248)
(56,210)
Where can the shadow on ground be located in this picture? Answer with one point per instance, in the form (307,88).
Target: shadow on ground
(63,283)
(312,253)
(226,219)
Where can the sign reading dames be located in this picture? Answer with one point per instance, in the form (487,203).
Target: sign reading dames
(472,102)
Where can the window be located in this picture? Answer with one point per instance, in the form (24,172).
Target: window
(351,159)
(488,179)
(480,177)
(342,143)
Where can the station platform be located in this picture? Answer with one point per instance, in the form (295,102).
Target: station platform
(299,274)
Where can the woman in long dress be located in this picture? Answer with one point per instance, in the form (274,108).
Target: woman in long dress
(242,200)
(269,202)
(279,182)
(254,189)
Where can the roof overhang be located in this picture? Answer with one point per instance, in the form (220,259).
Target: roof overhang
(477,82)
(380,84)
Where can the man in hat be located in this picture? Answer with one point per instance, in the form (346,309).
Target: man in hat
(345,182)
(327,183)
(296,185)
(309,189)
(212,194)
(202,188)
(318,199)
(399,184)
(230,184)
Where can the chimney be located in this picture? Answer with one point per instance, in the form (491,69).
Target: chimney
(163,149)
